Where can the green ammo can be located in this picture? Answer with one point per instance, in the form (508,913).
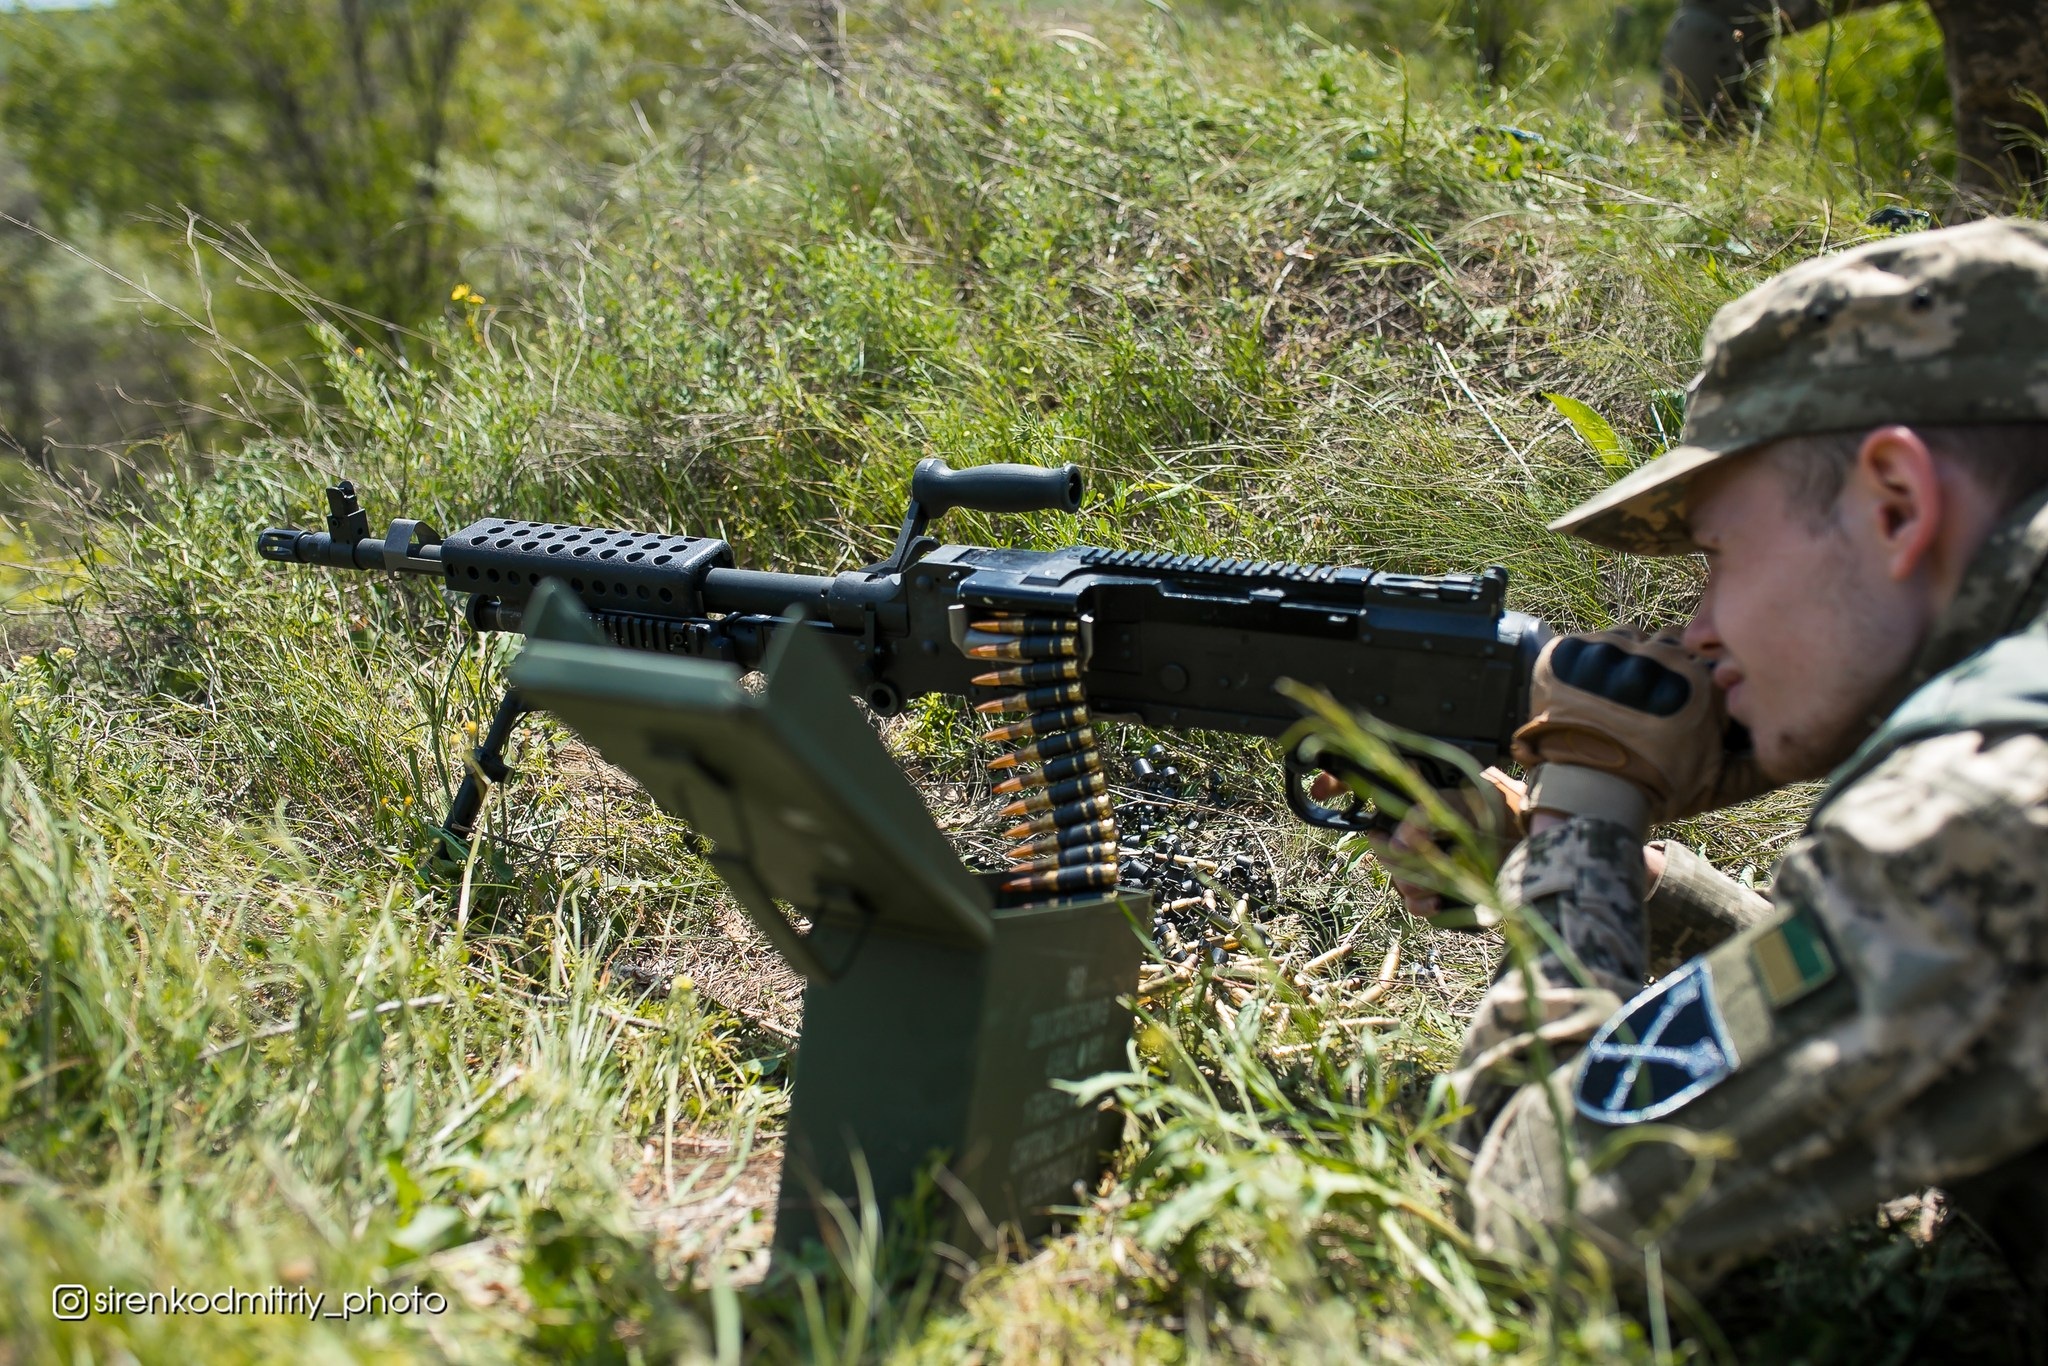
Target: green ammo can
(936,1017)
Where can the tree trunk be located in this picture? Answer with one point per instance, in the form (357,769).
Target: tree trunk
(1997,58)
(1997,53)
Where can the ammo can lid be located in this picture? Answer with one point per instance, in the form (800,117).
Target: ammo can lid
(800,799)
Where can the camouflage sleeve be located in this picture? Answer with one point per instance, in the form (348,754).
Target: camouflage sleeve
(1693,906)
(1930,875)
(1579,884)
(1922,1060)
(1584,880)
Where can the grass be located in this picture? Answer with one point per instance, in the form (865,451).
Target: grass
(1280,296)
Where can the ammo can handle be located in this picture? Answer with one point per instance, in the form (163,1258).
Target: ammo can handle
(936,487)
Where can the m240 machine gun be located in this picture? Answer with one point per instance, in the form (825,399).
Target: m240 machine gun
(1174,641)
(943,1010)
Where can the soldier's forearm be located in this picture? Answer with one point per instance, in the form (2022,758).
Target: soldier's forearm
(1692,905)
(1584,878)
(1688,904)
(1581,881)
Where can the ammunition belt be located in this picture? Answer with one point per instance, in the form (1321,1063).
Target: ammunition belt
(1065,841)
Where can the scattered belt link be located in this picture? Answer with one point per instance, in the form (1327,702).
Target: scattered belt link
(1066,843)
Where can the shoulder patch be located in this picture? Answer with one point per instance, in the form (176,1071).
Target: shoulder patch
(1792,959)
(1661,1050)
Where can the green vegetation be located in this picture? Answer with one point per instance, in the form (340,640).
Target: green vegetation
(353,158)
(1281,293)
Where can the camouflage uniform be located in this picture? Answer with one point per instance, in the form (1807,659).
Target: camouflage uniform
(1881,1024)
(1995,49)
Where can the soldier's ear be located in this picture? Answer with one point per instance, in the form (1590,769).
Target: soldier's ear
(1895,493)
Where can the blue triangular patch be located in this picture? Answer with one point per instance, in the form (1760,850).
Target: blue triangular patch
(1659,1051)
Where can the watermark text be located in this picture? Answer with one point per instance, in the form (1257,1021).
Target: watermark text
(75,1303)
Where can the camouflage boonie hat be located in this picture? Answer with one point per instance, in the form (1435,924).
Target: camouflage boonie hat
(1944,328)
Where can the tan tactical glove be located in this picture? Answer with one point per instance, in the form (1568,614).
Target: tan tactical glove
(1630,728)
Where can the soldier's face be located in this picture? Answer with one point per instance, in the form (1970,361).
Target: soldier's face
(1806,628)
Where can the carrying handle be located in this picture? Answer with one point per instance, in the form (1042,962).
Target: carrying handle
(936,487)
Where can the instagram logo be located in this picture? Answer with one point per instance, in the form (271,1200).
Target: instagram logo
(69,1303)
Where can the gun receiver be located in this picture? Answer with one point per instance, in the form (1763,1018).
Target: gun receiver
(1175,641)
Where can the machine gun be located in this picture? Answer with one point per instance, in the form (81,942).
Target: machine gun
(1174,641)
(942,1008)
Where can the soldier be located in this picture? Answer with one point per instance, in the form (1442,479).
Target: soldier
(1997,53)
(1865,469)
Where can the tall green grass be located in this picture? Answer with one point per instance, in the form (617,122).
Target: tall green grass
(1280,296)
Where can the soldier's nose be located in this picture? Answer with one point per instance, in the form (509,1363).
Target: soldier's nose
(1699,635)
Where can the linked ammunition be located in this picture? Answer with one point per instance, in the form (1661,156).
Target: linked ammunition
(1101,851)
(1068,838)
(984,645)
(1087,785)
(1039,723)
(1030,675)
(1033,699)
(1073,813)
(1052,746)
(1068,841)
(1066,766)
(1076,879)
(1006,624)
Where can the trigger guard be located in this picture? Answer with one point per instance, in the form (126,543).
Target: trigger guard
(1359,818)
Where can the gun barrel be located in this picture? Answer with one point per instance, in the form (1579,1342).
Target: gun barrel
(409,547)
(505,561)
(287,546)
(764,591)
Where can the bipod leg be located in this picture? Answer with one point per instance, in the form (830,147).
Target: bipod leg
(487,768)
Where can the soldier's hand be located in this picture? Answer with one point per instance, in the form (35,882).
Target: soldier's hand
(1405,854)
(1631,727)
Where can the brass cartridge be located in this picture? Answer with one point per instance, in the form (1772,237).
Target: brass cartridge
(1033,699)
(1030,675)
(988,645)
(1039,723)
(1069,742)
(1065,766)
(1080,878)
(1087,785)
(1087,809)
(1101,851)
(1068,838)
